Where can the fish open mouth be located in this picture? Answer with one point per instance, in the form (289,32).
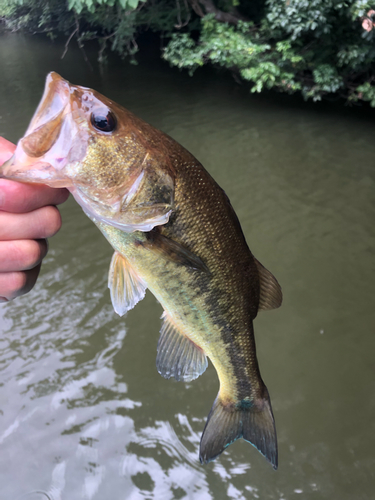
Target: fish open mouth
(55,98)
(41,154)
(65,130)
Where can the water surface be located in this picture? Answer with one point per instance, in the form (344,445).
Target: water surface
(83,411)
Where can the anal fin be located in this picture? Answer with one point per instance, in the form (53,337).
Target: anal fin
(178,356)
(126,287)
(271,296)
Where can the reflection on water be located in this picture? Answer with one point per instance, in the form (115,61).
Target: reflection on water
(83,412)
(60,374)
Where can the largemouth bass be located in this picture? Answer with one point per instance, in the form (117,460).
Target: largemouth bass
(175,232)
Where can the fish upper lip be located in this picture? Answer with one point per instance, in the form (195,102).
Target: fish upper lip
(56,97)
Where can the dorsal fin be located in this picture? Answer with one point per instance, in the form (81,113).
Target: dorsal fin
(178,356)
(271,296)
(126,287)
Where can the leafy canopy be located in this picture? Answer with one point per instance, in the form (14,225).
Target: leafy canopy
(316,47)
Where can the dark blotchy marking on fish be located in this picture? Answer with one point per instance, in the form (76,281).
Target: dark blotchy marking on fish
(175,232)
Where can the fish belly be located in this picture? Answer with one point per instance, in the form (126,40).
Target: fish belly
(191,306)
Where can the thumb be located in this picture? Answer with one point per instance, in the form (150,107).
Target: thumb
(6,150)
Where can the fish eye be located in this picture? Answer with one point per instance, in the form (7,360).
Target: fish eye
(103,120)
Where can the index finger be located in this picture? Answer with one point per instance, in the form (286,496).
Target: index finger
(18,197)
(6,150)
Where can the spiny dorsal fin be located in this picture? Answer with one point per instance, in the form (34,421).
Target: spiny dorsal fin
(174,251)
(271,296)
(126,287)
(178,356)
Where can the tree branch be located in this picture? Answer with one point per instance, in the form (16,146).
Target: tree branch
(180,23)
(68,41)
(221,16)
(80,44)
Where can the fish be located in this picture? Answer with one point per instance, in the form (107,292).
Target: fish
(173,231)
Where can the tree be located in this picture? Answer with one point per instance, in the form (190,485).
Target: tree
(316,47)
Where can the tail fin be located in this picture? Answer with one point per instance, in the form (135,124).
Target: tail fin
(225,424)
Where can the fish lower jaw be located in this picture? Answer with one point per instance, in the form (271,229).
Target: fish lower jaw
(113,220)
(40,173)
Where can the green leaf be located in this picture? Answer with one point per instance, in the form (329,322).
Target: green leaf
(133,3)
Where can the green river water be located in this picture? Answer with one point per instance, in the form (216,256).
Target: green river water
(84,413)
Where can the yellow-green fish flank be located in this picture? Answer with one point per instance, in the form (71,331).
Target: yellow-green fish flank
(175,232)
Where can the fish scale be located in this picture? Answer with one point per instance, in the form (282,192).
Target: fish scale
(175,232)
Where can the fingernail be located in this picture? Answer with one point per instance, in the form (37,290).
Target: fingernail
(3,299)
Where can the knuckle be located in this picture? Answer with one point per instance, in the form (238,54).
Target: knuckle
(34,253)
(61,196)
(23,255)
(22,282)
(51,222)
(17,255)
(17,283)
(14,197)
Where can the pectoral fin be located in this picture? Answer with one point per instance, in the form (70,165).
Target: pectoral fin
(271,296)
(178,356)
(174,251)
(126,287)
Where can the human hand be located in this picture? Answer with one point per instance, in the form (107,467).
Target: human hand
(27,217)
